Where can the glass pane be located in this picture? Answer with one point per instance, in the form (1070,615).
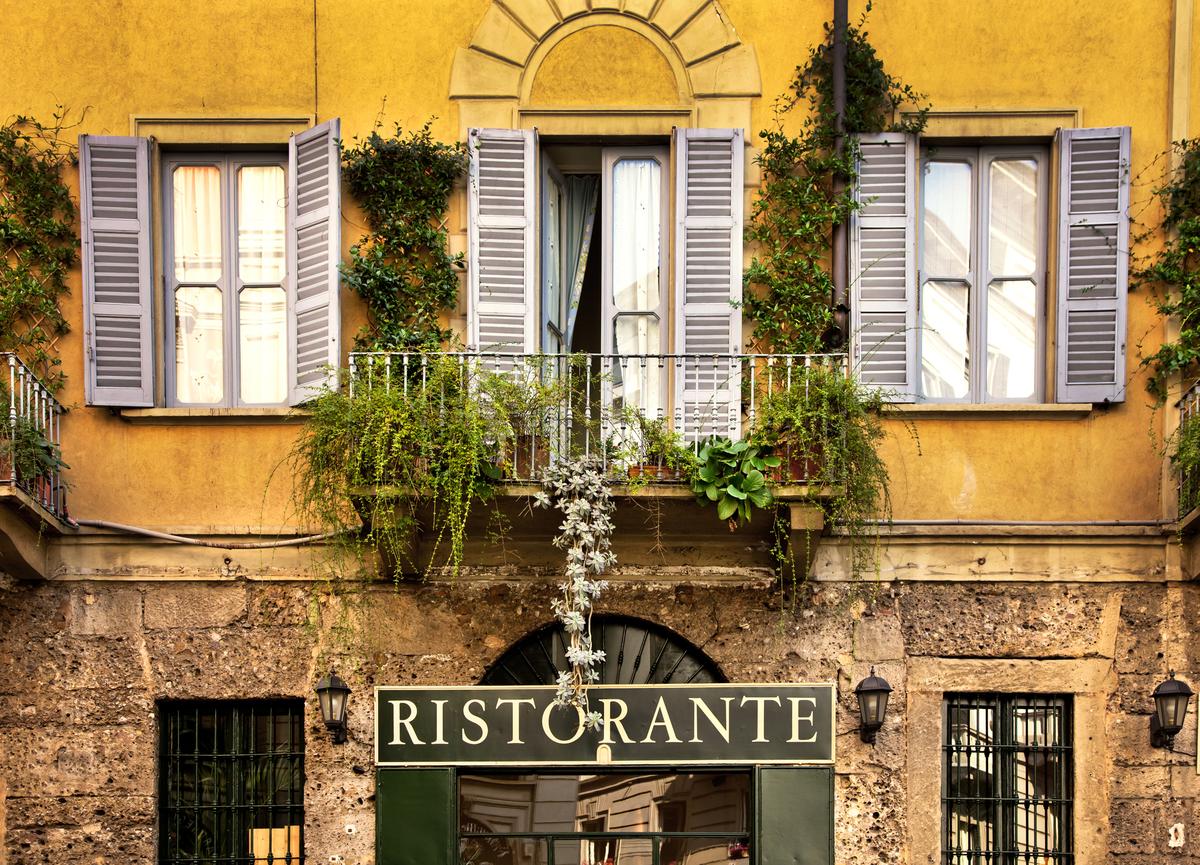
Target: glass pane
(971,788)
(552,264)
(1012,217)
(945,362)
(637,383)
(262,336)
(703,851)
(199,344)
(196,214)
(497,850)
(636,223)
(261,200)
(947,219)
(1012,338)
(704,802)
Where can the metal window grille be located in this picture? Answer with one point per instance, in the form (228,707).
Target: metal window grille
(231,782)
(1007,769)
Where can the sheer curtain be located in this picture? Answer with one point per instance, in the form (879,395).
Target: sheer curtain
(636,229)
(582,193)
(199,309)
(262,303)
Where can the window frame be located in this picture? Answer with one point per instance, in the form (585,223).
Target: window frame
(980,156)
(1004,752)
(229,712)
(228,163)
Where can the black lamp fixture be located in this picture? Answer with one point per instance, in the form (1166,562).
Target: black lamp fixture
(1170,710)
(872,693)
(333,694)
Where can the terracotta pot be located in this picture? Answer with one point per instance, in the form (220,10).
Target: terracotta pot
(653,472)
(797,468)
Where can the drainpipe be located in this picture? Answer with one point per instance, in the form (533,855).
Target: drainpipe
(841,263)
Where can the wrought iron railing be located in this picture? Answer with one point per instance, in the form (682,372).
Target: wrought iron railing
(615,408)
(1188,477)
(30,445)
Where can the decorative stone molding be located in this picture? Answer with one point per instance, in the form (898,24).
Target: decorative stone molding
(695,37)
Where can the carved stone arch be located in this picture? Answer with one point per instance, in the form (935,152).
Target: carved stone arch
(716,74)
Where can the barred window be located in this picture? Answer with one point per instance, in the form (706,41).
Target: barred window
(231,782)
(1007,780)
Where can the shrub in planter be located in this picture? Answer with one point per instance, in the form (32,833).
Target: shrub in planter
(731,475)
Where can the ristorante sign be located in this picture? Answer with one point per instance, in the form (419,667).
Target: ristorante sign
(640,724)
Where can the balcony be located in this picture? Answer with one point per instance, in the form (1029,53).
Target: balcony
(1186,454)
(643,418)
(32,488)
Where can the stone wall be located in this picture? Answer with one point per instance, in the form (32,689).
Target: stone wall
(82,664)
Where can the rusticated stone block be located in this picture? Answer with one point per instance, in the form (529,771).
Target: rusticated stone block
(1132,825)
(169,605)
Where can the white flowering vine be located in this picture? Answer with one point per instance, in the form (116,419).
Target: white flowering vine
(577,489)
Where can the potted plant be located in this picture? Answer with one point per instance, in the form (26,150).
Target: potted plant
(731,474)
(657,451)
(36,459)
(803,423)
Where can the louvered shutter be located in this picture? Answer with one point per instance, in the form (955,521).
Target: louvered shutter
(709,173)
(1093,264)
(503,197)
(883,271)
(117,282)
(314,252)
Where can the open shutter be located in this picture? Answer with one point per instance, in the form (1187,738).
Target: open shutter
(883,270)
(503,198)
(1093,264)
(117,279)
(314,251)
(709,168)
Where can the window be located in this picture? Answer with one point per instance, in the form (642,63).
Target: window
(603,819)
(225,277)
(1007,779)
(948,263)
(231,782)
(249,281)
(982,260)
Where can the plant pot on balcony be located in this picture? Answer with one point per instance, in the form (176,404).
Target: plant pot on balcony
(527,458)
(652,472)
(800,465)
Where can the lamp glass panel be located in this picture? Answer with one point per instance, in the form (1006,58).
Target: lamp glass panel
(324,697)
(337,704)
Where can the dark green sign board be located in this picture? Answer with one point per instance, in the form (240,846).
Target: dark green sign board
(640,724)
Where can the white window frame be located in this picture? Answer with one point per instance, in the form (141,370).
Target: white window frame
(228,163)
(980,157)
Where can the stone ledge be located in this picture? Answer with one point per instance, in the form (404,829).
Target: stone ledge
(229,416)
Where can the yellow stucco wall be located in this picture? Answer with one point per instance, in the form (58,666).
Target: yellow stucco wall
(367,60)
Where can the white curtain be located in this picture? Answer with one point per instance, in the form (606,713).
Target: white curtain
(582,193)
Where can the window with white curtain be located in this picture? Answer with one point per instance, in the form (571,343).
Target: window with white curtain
(226,279)
(982,267)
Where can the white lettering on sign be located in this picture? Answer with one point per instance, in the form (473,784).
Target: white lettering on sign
(398,722)
(477,720)
(611,720)
(797,718)
(550,707)
(440,721)
(761,734)
(661,718)
(698,705)
(516,716)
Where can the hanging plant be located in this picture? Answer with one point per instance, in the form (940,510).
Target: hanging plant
(578,490)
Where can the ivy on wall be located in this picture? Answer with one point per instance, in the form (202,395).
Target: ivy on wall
(1173,272)
(402,268)
(808,188)
(38,241)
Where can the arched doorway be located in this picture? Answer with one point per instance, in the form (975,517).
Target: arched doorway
(637,652)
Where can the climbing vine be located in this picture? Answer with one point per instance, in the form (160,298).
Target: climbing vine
(38,241)
(402,268)
(808,188)
(1173,272)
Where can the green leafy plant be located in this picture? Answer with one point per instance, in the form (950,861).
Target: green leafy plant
(1184,452)
(808,188)
(731,474)
(402,268)
(25,447)
(652,449)
(1172,273)
(38,241)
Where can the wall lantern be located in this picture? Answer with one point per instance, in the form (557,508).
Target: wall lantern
(1170,709)
(333,694)
(872,693)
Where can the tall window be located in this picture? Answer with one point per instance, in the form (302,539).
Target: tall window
(226,268)
(982,264)
(231,782)
(1007,780)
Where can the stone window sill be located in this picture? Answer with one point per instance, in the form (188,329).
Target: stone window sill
(997,411)
(225,416)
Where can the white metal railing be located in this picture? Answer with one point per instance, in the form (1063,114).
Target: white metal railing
(30,446)
(1188,483)
(609,406)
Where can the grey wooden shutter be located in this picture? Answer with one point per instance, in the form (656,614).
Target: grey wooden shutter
(503,199)
(114,181)
(709,170)
(1093,264)
(883,270)
(314,252)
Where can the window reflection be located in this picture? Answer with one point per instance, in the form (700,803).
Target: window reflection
(199,344)
(196,218)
